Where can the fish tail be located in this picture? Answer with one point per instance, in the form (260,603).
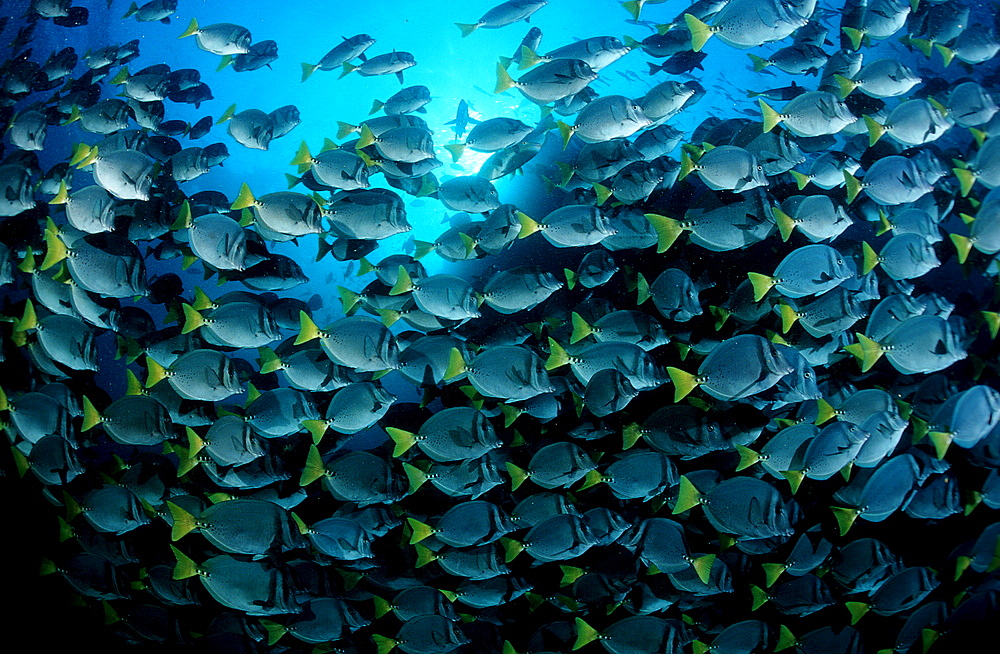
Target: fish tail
(963,245)
(307,329)
(747,457)
(992,319)
(875,130)
(947,54)
(467,28)
(348,68)
(761,285)
(592,478)
(275,630)
(183,220)
(404,284)
(801,179)
(667,231)
(584,634)
(314,468)
(269,361)
(415,476)
(28,320)
(302,156)
(456,150)
(759,63)
(634,7)
(857,609)
(403,439)
(517,474)
(245,198)
(770,117)
(687,165)
(703,566)
(421,530)
(192,319)
(422,248)
(870,258)
(343,129)
(456,364)
(566,131)
(923,45)
(528,226)
(684,382)
(721,316)
(317,428)
(558,356)
(760,597)
(700,32)
(511,549)
(185,567)
(367,138)
(785,223)
(788,316)
(424,555)
(642,289)
(308,70)
(195,442)
(184,522)
(55,250)
(631,435)
(348,300)
(91,416)
(871,352)
(855,35)
(941,440)
(846,85)
(966,178)
(853,186)
(581,328)
(602,192)
(528,58)
(566,172)
(504,80)
(192,28)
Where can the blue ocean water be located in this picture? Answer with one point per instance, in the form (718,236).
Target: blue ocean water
(457,69)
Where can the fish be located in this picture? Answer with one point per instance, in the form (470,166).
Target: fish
(505,13)
(348,49)
(462,119)
(506,398)
(549,82)
(814,113)
(531,41)
(404,101)
(491,136)
(727,167)
(154,10)
(748,24)
(598,52)
(390,63)
(219,38)
(608,117)
(679,63)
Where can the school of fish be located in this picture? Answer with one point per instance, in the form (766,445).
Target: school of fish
(727,390)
